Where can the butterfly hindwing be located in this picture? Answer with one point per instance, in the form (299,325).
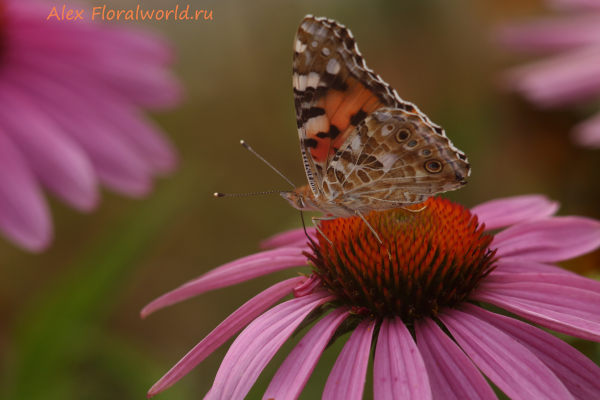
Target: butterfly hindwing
(394,157)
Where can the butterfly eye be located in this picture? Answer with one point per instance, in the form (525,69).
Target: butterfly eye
(412,143)
(433,166)
(402,135)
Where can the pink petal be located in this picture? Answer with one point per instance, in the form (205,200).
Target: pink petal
(257,344)
(563,79)
(587,133)
(451,372)
(501,213)
(510,365)
(146,85)
(551,34)
(521,267)
(399,371)
(236,321)
(90,40)
(132,127)
(567,280)
(578,373)
(117,163)
(229,274)
(347,378)
(575,4)
(291,238)
(549,239)
(572,311)
(293,374)
(24,216)
(58,162)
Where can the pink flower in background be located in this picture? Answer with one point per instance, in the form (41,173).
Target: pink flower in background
(571,74)
(71,99)
(443,262)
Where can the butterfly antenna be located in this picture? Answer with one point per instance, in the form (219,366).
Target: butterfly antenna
(266,162)
(217,194)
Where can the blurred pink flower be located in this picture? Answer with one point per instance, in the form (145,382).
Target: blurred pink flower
(569,77)
(442,264)
(71,94)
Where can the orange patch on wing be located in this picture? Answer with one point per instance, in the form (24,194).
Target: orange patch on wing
(319,154)
(372,105)
(332,102)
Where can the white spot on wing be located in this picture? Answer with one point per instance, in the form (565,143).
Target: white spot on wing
(301,82)
(317,124)
(313,80)
(388,160)
(333,66)
(355,144)
(300,47)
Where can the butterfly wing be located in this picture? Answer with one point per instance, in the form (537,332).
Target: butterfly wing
(394,158)
(333,91)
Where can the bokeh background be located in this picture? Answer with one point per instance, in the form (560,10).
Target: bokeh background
(69,317)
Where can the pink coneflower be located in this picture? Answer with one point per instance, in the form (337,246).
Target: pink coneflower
(71,94)
(570,76)
(421,308)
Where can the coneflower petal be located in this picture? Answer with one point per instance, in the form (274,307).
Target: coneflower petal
(226,329)
(229,274)
(399,370)
(522,267)
(577,372)
(24,215)
(451,373)
(500,213)
(587,133)
(57,161)
(257,344)
(548,240)
(568,280)
(293,374)
(347,378)
(510,365)
(568,310)
(291,238)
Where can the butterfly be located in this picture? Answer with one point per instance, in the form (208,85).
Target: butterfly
(363,147)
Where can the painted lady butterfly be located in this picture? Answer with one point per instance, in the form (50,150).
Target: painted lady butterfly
(363,147)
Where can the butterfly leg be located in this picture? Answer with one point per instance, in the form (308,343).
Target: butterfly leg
(314,221)
(373,230)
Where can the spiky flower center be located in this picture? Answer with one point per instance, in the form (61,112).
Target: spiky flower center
(438,256)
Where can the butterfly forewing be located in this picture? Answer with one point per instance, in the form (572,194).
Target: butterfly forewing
(333,91)
(363,147)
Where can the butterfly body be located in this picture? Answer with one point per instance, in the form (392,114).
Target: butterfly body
(363,147)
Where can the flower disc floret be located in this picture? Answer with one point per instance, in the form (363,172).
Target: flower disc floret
(438,256)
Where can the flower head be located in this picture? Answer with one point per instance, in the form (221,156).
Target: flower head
(572,73)
(421,310)
(438,256)
(71,96)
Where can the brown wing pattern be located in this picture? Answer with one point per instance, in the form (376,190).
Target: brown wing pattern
(334,92)
(394,159)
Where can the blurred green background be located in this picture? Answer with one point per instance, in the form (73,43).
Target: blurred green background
(69,318)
